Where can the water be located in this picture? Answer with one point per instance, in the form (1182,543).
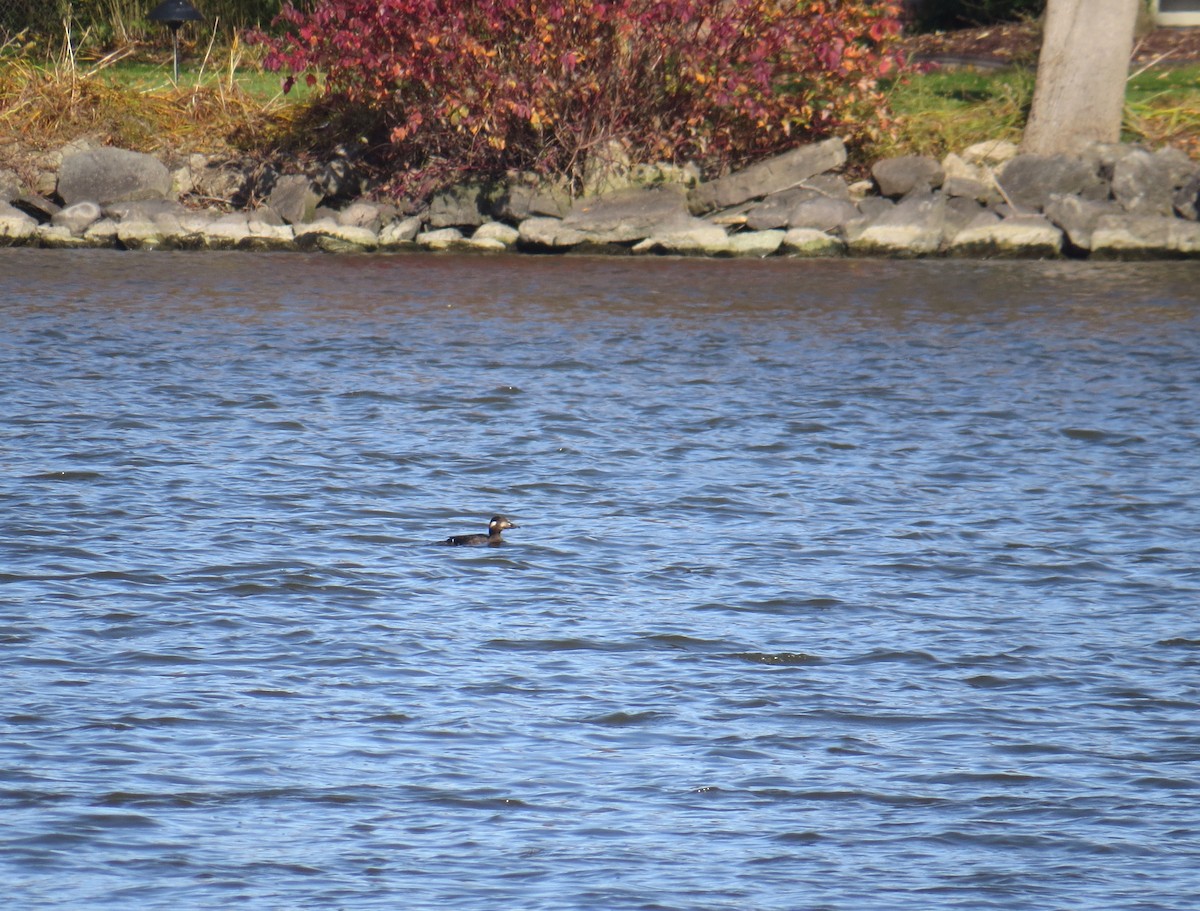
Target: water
(841,585)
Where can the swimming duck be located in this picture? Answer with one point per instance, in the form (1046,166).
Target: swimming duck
(495,526)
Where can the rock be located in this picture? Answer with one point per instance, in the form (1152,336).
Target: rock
(294,198)
(112,175)
(59,237)
(1142,184)
(992,153)
(10,185)
(15,225)
(627,216)
(77,218)
(774,210)
(143,234)
(822,214)
(969,181)
(700,239)
(143,210)
(606,169)
(527,197)
(898,177)
(548,234)
(808,242)
(102,233)
(1019,236)
(771,176)
(495,232)
(331,237)
(1028,181)
(440,238)
(39,207)
(218,181)
(755,243)
(459,207)
(365,214)
(1144,237)
(400,233)
(911,228)
(1077,217)
(1187,199)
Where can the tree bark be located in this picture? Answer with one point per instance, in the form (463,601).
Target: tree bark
(1079,96)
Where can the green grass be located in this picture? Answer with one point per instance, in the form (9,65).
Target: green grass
(947,110)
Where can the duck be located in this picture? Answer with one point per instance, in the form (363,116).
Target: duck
(492,538)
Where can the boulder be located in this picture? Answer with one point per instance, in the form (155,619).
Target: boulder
(15,225)
(365,213)
(771,176)
(59,237)
(822,214)
(77,218)
(462,206)
(906,174)
(1143,184)
(493,233)
(808,242)
(700,239)
(548,234)
(992,153)
(524,198)
(143,210)
(629,215)
(1144,237)
(400,233)
(1028,181)
(440,238)
(112,175)
(774,210)
(969,181)
(1077,217)
(1187,198)
(755,243)
(10,185)
(913,227)
(331,237)
(1026,236)
(294,199)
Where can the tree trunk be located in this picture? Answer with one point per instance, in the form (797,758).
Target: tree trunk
(1080,91)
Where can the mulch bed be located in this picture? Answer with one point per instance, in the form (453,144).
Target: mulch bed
(1019,43)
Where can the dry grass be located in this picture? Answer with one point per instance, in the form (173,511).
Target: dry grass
(44,105)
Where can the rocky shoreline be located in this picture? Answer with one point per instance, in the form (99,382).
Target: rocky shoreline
(1109,202)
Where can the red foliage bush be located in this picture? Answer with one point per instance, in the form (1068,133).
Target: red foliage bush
(481,86)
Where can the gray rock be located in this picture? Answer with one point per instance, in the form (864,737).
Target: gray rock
(143,210)
(15,225)
(10,185)
(991,153)
(755,243)
(59,237)
(77,218)
(822,214)
(898,177)
(112,175)
(1187,199)
(294,198)
(1028,181)
(969,181)
(913,227)
(495,232)
(218,181)
(400,233)
(366,214)
(548,234)
(331,237)
(629,215)
(38,206)
(524,198)
(1132,236)
(440,238)
(700,239)
(1024,236)
(1142,184)
(771,176)
(1077,217)
(808,242)
(775,210)
(462,206)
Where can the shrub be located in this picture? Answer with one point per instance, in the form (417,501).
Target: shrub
(473,87)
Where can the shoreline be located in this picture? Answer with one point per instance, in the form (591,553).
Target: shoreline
(1111,201)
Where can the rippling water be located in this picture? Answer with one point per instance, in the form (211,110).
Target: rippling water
(841,585)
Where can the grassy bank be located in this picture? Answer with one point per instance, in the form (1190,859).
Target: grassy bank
(225,103)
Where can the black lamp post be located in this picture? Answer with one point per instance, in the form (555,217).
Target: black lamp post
(174,13)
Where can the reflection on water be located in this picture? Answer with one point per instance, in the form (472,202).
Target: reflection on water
(849,584)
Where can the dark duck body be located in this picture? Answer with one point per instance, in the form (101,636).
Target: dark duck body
(495,526)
